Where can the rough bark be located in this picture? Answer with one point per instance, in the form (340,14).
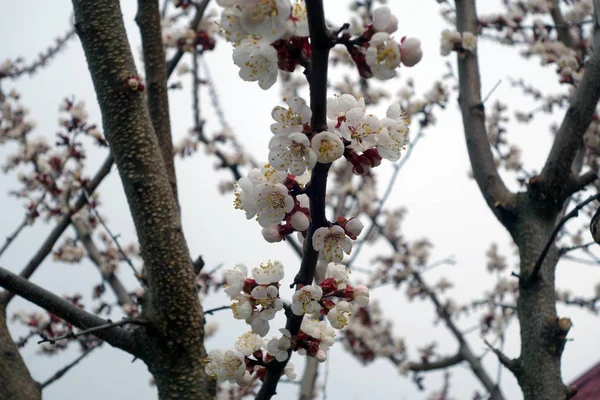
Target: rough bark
(541,345)
(15,380)
(172,346)
(534,213)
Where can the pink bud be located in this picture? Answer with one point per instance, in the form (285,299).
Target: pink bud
(271,234)
(411,52)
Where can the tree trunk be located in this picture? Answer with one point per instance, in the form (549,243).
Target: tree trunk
(15,380)
(542,342)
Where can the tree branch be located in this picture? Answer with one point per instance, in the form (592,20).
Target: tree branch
(108,325)
(173,306)
(61,372)
(495,192)
(569,139)
(534,275)
(511,364)
(317,187)
(60,227)
(562,29)
(441,363)
(200,9)
(64,309)
(95,256)
(149,21)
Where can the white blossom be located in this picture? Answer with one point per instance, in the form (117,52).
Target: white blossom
(306,300)
(384,20)
(265,18)
(265,274)
(271,234)
(257,61)
(234,280)
(225,365)
(249,343)
(338,273)
(383,56)
(300,221)
(327,146)
(331,243)
(273,202)
(360,129)
(279,347)
(338,315)
(361,295)
(411,52)
(338,106)
(392,140)
(292,152)
(291,119)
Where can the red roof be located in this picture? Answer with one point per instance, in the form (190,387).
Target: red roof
(588,384)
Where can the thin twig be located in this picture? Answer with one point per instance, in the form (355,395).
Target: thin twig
(573,213)
(14,235)
(213,310)
(115,239)
(381,203)
(59,374)
(109,324)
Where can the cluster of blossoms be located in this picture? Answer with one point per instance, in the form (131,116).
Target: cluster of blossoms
(272,36)
(456,41)
(274,193)
(256,300)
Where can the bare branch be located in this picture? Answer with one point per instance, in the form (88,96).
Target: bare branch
(557,169)
(13,236)
(511,364)
(60,227)
(534,275)
(66,310)
(495,192)
(200,9)
(441,363)
(108,325)
(149,21)
(61,372)
(95,256)
(562,29)
(43,58)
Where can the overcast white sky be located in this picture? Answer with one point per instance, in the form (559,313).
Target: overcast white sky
(444,205)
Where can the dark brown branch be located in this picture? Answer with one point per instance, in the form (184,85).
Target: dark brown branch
(495,192)
(557,169)
(562,29)
(176,345)
(511,364)
(317,187)
(441,363)
(213,310)
(64,309)
(61,372)
(200,9)
(149,21)
(60,227)
(108,325)
(581,182)
(534,275)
